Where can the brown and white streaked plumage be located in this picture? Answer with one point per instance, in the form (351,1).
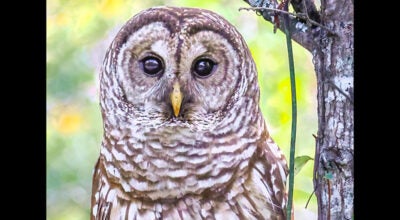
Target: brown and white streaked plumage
(184,137)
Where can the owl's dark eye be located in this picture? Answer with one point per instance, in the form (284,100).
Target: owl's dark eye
(152,66)
(203,67)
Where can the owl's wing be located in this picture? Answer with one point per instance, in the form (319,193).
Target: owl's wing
(100,208)
(278,171)
(269,176)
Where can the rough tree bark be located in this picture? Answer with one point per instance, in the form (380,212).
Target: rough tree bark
(329,37)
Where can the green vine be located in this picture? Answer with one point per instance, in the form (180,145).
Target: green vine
(294,110)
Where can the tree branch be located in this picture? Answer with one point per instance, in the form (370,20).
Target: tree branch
(302,16)
(301,33)
(308,8)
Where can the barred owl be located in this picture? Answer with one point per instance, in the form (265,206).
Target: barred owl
(184,137)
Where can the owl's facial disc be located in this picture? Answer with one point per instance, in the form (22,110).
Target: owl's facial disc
(179,75)
(176,98)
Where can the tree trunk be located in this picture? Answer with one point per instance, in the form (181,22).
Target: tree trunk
(330,40)
(333,60)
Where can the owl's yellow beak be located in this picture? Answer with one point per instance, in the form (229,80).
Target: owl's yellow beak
(176,98)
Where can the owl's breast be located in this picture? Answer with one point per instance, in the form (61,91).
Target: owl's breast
(171,162)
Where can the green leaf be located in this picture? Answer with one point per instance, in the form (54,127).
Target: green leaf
(299,163)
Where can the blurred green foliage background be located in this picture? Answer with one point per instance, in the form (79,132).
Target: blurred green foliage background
(78,34)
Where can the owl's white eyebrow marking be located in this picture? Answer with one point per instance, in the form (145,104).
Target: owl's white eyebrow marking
(160,48)
(198,49)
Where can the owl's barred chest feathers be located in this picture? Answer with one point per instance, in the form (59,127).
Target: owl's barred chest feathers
(174,158)
(226,189)
(184,137)
(179,174)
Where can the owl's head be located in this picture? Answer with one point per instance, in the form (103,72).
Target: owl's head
(181,66)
